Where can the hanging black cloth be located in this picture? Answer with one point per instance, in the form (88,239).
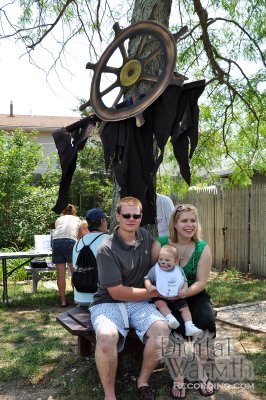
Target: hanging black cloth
(184,135)
(130,150)
(69,141)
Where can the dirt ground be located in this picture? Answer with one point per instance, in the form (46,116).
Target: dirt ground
(46,389)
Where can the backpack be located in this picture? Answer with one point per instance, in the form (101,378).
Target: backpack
(85,276)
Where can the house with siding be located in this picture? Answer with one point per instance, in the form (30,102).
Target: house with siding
(44,124)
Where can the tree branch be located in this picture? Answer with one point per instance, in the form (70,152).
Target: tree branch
(231,21)
(52,25)
(203,18)
(218,72)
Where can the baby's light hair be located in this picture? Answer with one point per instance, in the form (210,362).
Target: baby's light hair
(170,249)
(83,222)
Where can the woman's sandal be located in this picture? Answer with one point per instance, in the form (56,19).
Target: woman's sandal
(180,392)
(205,392)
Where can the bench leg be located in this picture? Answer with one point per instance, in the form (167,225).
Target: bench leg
(84,346)
(35,280)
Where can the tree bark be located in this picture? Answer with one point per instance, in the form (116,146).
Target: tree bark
(143,11)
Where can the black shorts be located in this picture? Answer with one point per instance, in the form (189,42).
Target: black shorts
(173,304)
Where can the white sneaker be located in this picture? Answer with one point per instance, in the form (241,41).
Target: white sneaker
(172,321)
(192,330)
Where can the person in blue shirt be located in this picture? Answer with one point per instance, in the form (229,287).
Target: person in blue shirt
(98,228)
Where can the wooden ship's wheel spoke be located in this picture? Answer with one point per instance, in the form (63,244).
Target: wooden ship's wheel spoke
(152,56)
(135,94)
(119,96)
(121,46)
(123,52)
(111,70)
(110,88)
(141,46)
(149,77)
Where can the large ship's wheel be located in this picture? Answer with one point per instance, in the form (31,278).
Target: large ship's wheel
(133,71)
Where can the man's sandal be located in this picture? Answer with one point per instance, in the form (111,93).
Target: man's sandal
(204,392)
(145,393)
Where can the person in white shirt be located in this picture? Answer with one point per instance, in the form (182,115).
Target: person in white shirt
(164,209)
(170,281)
(64,238)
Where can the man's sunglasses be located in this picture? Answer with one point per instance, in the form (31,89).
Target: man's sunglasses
(135,216)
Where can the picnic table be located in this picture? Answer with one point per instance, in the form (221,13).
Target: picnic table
(4,256)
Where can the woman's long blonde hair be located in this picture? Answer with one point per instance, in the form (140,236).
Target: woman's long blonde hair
(175,217)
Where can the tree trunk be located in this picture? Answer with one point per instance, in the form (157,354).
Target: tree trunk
(142,11)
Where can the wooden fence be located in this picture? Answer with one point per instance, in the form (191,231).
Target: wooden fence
(234,225)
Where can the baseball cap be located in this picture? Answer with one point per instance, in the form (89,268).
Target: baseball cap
(95,214)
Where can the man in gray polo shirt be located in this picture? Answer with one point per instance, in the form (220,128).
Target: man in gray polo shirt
(121,301)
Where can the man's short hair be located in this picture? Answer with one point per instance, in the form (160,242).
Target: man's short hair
(128,201)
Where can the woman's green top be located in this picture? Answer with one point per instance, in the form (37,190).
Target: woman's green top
(190,268)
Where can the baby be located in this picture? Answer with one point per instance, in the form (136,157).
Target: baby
(170,281)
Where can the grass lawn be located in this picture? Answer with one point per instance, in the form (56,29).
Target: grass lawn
(232,287)
(38,354)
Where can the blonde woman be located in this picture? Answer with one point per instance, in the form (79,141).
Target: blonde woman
(195,258)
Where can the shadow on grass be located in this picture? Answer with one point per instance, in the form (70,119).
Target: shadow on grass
(21,297)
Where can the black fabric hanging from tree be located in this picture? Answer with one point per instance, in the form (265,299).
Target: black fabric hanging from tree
(130,150)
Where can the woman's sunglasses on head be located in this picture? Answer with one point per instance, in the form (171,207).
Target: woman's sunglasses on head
(182,207)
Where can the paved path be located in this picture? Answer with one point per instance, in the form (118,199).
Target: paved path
(251,316)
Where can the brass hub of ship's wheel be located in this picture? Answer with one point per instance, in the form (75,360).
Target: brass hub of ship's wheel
(133,72)
(130,72)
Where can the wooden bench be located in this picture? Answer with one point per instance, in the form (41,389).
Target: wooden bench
(77,321)
(36,274)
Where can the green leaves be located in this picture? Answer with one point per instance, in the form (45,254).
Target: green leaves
(27,199)
(25,209)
